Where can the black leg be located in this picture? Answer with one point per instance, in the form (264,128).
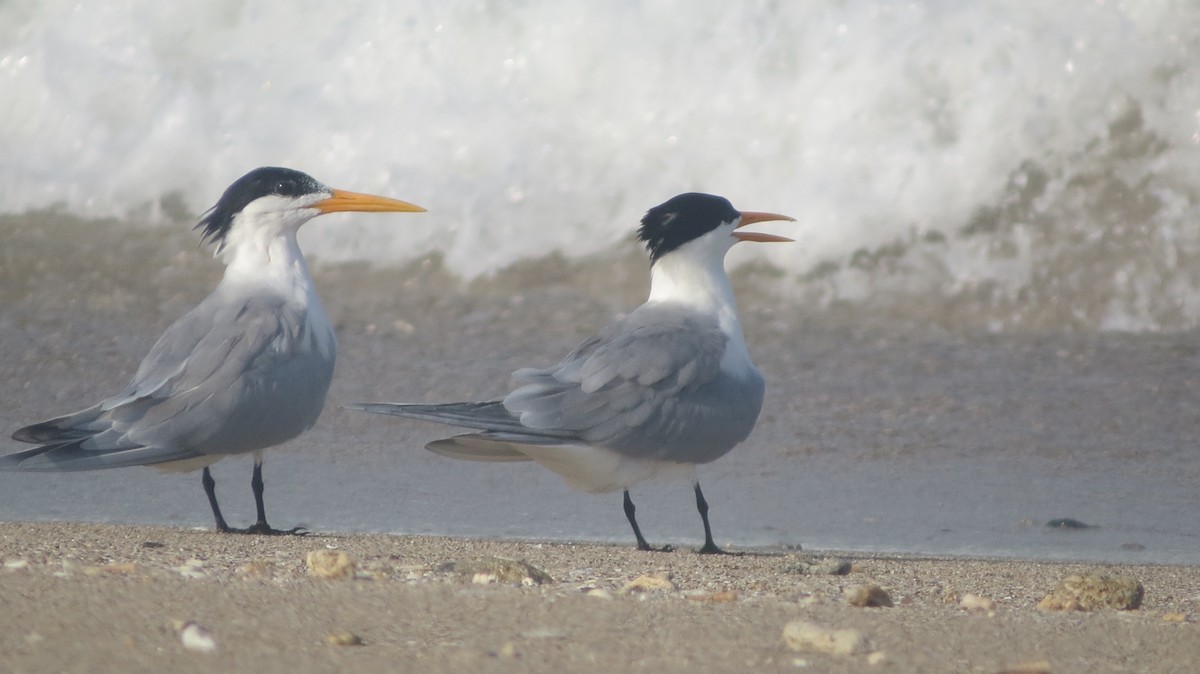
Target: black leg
(710,548)
(261,526)
(256,485)
(210,490)
(637,531)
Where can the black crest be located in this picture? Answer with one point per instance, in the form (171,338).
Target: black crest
(258,183)
(681,219)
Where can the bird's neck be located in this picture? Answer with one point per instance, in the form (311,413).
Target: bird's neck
(271,262)
(699,282)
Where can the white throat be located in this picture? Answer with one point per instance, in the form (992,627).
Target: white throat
(694,274)
(265,257)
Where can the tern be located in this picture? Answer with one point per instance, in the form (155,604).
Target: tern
(246,369)
(667,387)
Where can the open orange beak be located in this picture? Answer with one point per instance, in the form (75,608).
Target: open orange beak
(751,217)
(363,203)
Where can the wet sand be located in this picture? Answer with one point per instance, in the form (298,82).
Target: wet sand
(104,598)
(880,432)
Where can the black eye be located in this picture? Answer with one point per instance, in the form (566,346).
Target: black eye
(286,188)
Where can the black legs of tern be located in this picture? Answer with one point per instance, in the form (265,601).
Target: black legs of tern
(210,490)
(256,485)
(710,548)
(637,531)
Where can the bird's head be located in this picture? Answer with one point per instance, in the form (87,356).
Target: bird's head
(281,199)
(707,221)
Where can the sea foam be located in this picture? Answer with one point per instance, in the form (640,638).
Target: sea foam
(1011,162)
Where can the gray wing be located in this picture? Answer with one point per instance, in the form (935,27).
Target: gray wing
(648,386)
(233,375)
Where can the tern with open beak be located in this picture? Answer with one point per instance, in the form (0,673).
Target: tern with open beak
(667,387)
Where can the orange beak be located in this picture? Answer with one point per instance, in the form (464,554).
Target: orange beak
(751,217)
(363,203)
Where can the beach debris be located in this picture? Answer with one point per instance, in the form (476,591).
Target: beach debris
(1174,617)
(487,570)
(974,602)
(659,582)
(598,593)
(801,635)
(869,595)
(329,564)
(876,658)
(1133,547)
(153,544)
(1034,667)
(820,567)
(192,568)
(1068,523)
(1088,592)
(196,638)
(720,597)
(545,633)
(343,639)
(16,565)
(257,568)
(116,568)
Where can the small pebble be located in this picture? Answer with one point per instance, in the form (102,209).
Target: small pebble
(659,582)
(192,568)
(329,564)
(545,633)
(1089,592)
(1036,667)
(820,567)
(973,602)
(509,650)
(1067,523)
(599,593)
(16,565)
(196,638)
(255,569)
(722,597)
(497,570)
(343,639)
(868,596)
(810,637)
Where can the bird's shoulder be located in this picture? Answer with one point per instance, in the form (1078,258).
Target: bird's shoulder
(660,345)
(218,332)
(650,344)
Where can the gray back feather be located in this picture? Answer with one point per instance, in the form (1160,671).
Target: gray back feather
(647,386)
(233,375)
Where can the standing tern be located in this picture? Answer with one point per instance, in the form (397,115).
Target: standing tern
(665,388)
(246,369)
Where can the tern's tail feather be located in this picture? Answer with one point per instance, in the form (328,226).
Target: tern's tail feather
(486,416)
(61,429)
(72,455)
(83,441)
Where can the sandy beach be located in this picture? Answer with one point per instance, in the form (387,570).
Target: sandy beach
(875,435)
(105,598)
